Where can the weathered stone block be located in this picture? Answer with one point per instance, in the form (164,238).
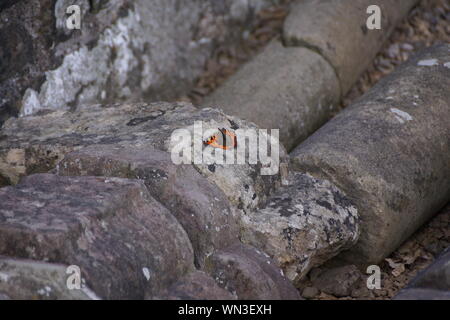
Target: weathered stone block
(303,225)
(337,30)
(198,204)
(389,152)
(291,89)
(33,280)
(37,143)
(249,274)
(125,242)
(197,285)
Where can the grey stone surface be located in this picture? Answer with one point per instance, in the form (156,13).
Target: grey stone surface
(303,225)
(389,153)
(124,50)
(37,143)
(337,30)
(436,276)
(433,283)
(33,280)
(422,294)
(249,274)
(125,242)
(198,204)
(310,292)
(4,297)
(339,281)
(291,89)
(197,285)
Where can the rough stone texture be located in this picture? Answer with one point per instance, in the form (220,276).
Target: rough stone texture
(37,143)
(389,153)
(436,276)
(337,30)
(196,285)
(422,294)
(4,297)
(310,292)
(433,283)
(291,89)
(32,280)
(303,225)
(125,242)
(338,281)
(124,50)
(249,274)
(200,207)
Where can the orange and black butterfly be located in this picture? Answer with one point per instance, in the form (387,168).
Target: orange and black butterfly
(213,141)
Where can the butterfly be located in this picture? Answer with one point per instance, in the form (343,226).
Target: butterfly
(213,141)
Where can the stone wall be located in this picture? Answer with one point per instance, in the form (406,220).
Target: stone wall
(96,187)
(124,50)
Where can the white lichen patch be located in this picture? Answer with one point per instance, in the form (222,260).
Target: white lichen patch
(157,46)
(3,277)
(83,74)
(447,64)
(302,223)
(146,273)
(239,180)
(428,62)
(45,291)
(30,102)
(400,115)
